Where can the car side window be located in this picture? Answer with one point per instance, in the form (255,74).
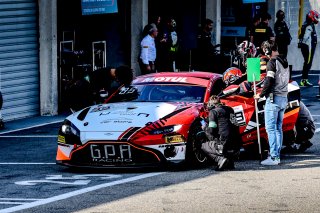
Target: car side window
(217,87)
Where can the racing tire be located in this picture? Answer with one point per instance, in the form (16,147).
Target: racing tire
(195,157)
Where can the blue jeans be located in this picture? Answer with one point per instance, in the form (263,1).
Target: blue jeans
(273,115)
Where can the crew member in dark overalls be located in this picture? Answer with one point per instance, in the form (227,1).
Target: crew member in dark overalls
(220,131)
(205,52)
(283,37)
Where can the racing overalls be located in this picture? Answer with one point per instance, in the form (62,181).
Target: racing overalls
(308,45)
(220,133)
(205,54)
(283,37)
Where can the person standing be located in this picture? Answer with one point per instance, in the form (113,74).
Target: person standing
(205,48)
(168,47)
(97,86)
(283,37)
(252,26)
(221,147)
(157,21)
(308,43)
(148,52)
(262,32)
(275,89)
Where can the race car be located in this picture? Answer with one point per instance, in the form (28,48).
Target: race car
(157,121)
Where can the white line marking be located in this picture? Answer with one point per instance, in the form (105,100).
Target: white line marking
(17,163)
(317,130)
(28,136)
(11,203)
(35,182)
(78,192)
(20,199)
(29,127)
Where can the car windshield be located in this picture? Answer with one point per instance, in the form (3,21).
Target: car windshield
(160,92)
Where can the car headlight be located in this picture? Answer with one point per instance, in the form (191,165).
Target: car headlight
(68,128)
(165,130)
(69,134)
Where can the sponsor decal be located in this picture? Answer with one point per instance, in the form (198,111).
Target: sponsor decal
(104,113)
(111,153)
(166,79)
(127,90)
(116,121)
(125,113)
(100,108)
(123,122)
(61,139)
(145,114)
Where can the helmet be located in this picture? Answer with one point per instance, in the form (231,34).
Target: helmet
(266,48)
(247,48)
(313,16)
(231,75)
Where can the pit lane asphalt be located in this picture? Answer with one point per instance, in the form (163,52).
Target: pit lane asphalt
(39,125)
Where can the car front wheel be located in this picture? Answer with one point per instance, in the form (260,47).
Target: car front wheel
(195,156)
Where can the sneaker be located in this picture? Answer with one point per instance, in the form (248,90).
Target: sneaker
(269,162)
(222,163)
(305,83)
(304,146)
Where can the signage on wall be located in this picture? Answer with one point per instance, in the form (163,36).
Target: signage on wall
(252,1)
(91,7)
(233,31)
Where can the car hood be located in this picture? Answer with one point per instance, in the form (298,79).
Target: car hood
(118,117)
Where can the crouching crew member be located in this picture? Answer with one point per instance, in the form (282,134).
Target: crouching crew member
(221,132)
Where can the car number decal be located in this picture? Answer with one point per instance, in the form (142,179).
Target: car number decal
(239,115)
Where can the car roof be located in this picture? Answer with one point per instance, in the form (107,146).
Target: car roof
(197,74)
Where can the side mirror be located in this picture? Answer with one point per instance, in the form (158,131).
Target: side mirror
(103,93)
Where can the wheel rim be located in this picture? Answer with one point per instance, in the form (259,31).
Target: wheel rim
(198,153)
